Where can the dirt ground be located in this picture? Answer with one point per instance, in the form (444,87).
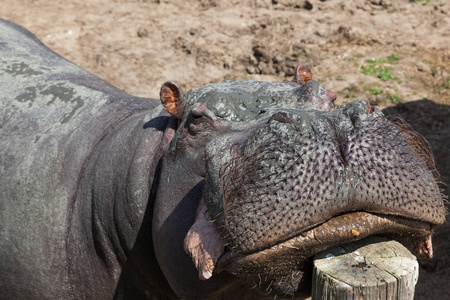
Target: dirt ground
(395,53)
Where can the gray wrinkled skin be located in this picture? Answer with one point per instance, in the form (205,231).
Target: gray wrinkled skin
(76,159)
(98,189)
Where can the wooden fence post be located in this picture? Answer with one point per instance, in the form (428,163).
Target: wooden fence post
(373,268)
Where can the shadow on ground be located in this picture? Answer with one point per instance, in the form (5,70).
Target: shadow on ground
(432,120)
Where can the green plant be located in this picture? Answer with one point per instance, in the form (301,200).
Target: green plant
(369,70)
(385,75)
(394,98)
(350,95)
(446,84)
(393,58)
(376,61)
(375,66)
(375,91)
(372,90)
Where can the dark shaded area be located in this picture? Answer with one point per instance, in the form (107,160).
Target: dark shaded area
(159,123)
(432,120)
(141,273)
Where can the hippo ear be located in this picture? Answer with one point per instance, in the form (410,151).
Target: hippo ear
(173,99)
(302,74)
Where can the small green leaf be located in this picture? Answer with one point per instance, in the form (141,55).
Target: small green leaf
(394,98)
(393,58)
(376,91)
(446,84)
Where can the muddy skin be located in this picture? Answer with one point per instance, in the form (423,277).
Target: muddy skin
(227,189)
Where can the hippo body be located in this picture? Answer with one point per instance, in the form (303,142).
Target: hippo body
(60,128)
(211,194)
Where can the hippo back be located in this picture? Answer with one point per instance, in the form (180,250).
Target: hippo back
(52,116)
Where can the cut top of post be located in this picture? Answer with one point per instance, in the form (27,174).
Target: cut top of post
(372,268)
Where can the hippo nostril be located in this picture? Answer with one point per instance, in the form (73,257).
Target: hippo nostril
(332,95)
(359,107)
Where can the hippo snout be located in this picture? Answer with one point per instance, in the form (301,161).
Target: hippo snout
(299,169)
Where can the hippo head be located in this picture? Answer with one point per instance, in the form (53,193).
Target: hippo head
(277,173)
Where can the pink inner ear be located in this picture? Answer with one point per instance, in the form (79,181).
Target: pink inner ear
(172,99)
(203,243)
(302,74)
(169,100)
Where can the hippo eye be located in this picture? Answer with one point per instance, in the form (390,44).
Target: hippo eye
(196,118)
(200,117)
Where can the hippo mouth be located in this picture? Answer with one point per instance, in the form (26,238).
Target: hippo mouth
(336,231)
(283,268)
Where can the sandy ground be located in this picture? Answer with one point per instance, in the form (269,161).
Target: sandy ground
(395,53)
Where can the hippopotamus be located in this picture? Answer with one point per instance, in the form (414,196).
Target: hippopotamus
(228,189)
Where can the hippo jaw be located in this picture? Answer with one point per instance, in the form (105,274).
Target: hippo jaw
(284,269)
(266,238)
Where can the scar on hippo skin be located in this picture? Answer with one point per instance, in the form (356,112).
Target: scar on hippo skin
(173,99)
(203,243)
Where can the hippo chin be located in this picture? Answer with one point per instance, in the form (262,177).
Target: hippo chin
(229,188)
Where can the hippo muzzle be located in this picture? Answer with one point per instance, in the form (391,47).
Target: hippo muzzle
(297,182)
